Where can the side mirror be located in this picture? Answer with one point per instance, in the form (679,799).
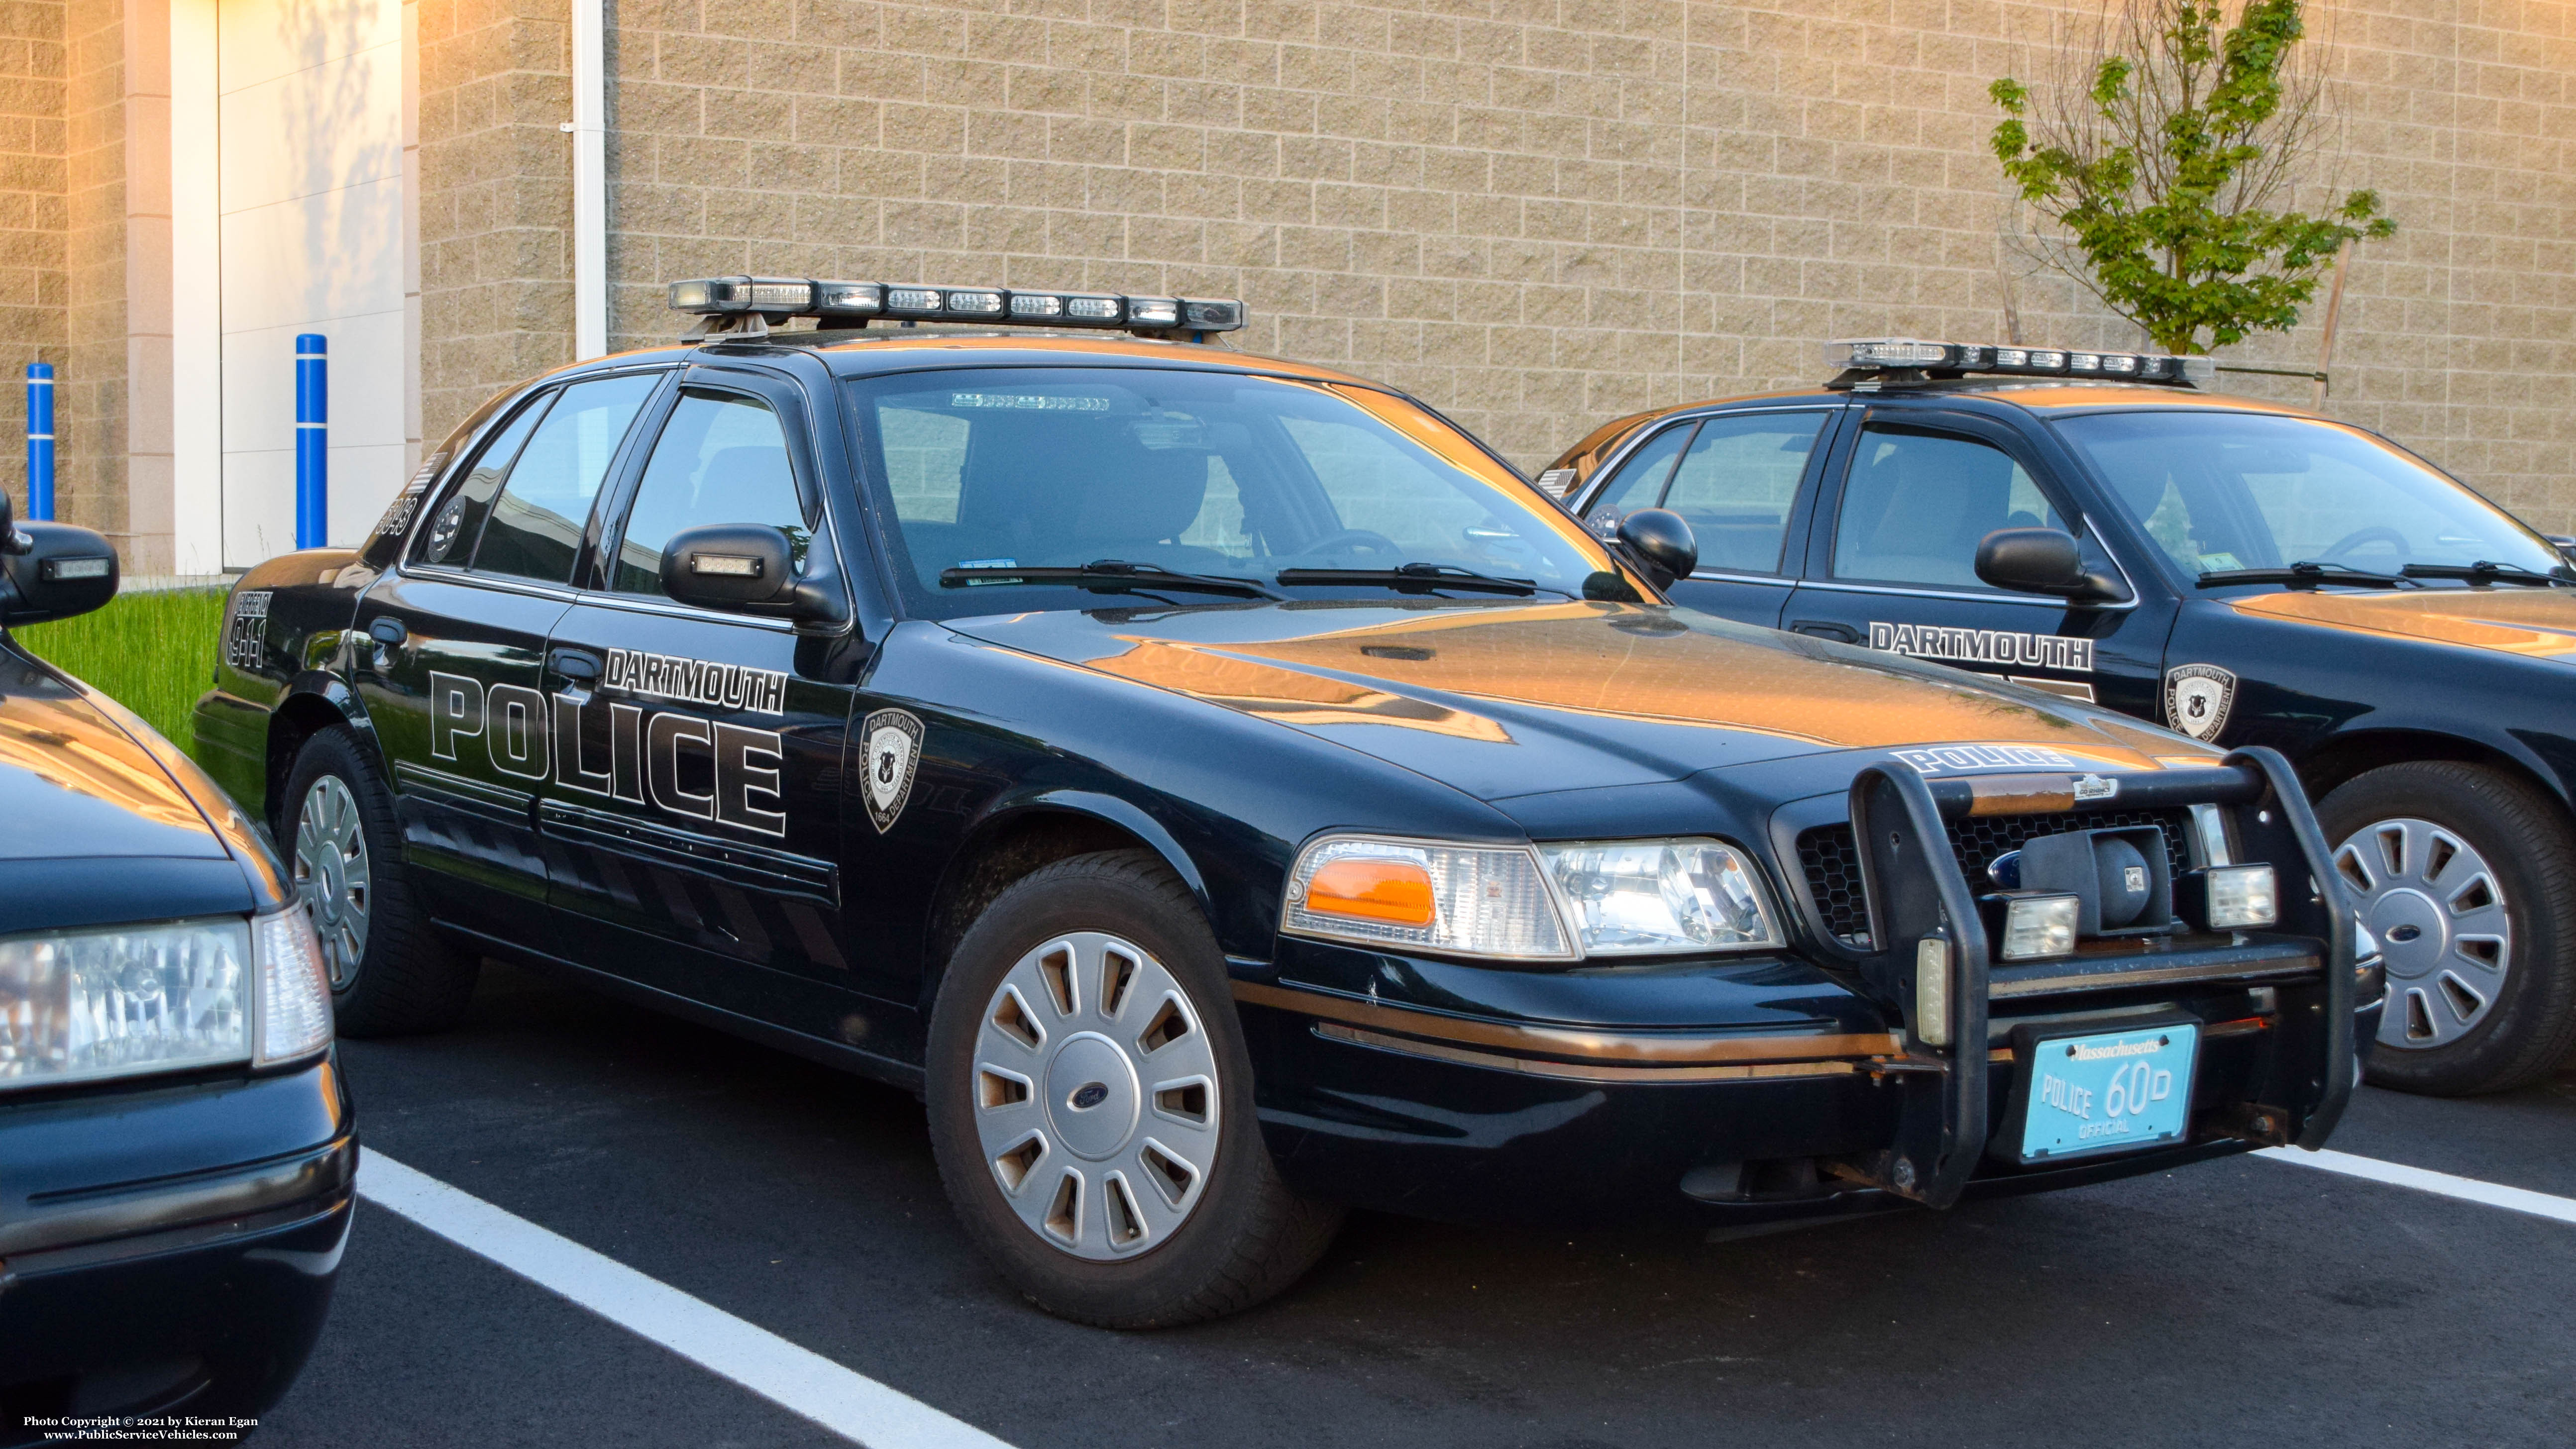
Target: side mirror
(1662,540)
(750,568)
(2042,561)
(52,570)
(2563,544)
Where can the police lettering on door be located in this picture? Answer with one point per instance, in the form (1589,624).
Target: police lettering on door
(681,764)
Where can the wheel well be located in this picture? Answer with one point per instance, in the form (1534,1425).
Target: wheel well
(995,861)
(2342,758)
(299,719)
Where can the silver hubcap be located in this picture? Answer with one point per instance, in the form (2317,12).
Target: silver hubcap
(2439,915)
(1096,1096)
(331,872)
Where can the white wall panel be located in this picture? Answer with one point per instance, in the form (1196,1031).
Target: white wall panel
(314,235)
(334,126)
(264,39)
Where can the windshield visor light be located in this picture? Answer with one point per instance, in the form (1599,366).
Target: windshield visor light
(1481,900)
(2039,927)
(2231,897)
(294,991)
(1652,897)
(84,1005)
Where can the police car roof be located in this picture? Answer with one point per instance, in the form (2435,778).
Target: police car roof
(2040,395)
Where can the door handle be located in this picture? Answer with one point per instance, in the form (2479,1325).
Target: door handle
(575,664)
(1826,629)
(387,630)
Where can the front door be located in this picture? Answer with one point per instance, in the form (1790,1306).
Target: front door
(1892,565)
(694,815)
(450,652)
(1740,480)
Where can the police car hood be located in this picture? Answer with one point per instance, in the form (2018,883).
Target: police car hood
(74,784)
(1501,700)
(2531,623)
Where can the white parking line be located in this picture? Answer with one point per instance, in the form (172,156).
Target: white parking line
(852,1405)
(2468,1189)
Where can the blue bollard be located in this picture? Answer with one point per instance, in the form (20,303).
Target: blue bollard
(40,440)
(312,437)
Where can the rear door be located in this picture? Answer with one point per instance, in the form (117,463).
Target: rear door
(450,658)
(693,823)
(1743,481)
(1892,562)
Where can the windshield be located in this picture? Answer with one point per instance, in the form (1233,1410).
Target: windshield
(1214,474)
(2221,491)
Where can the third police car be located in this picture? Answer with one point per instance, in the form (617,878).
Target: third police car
(2094,525)
(1226,791)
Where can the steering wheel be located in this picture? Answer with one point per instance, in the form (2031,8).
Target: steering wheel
(1361,541)
(2372,534)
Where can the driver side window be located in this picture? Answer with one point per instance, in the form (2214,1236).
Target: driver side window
(722,458)
(1916,505)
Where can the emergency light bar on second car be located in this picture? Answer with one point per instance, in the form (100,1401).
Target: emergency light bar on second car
(856,304)
(1900,354)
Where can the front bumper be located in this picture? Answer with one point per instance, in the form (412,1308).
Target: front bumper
(169,1247)
(1778,1086)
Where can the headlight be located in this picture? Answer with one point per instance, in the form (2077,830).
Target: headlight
(1650,897)
(1469,900)
(1548,903)
(80,1005)
(117,1001)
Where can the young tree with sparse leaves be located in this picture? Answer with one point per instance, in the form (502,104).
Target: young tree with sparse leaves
(2169,153)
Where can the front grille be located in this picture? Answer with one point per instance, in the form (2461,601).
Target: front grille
(1831,857)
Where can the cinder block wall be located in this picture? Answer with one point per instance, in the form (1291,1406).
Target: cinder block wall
(1535,213)
(34,287)
(91,473)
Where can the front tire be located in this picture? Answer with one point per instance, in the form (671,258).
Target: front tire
(390,973)
(2467,878)
(1091,1105)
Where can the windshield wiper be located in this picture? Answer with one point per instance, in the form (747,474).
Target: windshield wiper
(2485,572)
(1414,578)
(2305,573)
(1107,573)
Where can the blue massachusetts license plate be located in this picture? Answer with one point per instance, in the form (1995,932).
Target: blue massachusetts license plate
(2109,1091)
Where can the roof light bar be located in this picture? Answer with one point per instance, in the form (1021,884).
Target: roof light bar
(846,303)
(1880,354)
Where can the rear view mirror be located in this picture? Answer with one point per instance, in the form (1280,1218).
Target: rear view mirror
(52,570)
(2042,561)
(1662,540)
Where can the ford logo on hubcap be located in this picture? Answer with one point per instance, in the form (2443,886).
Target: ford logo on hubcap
(1089,1095)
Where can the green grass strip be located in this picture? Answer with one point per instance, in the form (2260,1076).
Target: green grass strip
(152,652)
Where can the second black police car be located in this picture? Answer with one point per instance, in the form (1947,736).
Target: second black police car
(1226,791)
(2093,524)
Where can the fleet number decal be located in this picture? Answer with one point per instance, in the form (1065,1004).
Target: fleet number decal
(1984,646)
(529,736)
(245,633)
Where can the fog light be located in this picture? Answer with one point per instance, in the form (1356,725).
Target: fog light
(2238,896)
(1932,990)
(2037,927)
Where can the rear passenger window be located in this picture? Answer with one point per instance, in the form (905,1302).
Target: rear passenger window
(450,537)
(722,458)
(535,527)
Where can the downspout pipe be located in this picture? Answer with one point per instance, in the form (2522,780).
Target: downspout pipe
(589,128)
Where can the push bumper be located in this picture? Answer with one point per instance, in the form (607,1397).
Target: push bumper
(169,1249)
(1385,1084)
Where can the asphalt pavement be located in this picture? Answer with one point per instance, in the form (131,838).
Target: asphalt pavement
(2241,1301)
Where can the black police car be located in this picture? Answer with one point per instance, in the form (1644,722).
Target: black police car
(2244,573)
(176,1147)
(1226,791)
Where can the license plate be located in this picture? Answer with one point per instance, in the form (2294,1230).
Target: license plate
(2108,1092)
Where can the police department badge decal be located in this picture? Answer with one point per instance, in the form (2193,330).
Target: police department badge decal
(893,742)
(2197,697)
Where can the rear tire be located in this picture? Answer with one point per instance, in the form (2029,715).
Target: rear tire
(1102,1222)
(390,972)
(2468,878)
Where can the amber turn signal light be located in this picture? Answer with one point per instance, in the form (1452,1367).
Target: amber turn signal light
(1394,891)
